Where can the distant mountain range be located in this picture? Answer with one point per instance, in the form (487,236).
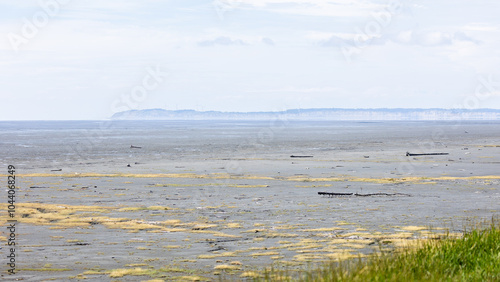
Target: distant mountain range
(314,114)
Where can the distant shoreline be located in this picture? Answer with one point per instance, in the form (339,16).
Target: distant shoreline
(327,114)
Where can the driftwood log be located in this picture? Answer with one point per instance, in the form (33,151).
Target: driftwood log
(330,194)
(294,156)
(408,154)
(334,194)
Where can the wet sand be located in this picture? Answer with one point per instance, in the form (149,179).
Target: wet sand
(234,202)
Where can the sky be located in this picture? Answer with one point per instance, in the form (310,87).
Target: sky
(88,59)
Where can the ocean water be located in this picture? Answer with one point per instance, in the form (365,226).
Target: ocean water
(37,145)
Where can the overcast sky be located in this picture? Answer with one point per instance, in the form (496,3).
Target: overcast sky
(87,59)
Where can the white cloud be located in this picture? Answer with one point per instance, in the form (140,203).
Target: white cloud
(482,27)
(427,38)
(337,8)
(292,89)
(432,38)
(321,36)
(268,41)
(221,40)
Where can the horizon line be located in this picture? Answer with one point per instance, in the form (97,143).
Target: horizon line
(278,111)
(253,112)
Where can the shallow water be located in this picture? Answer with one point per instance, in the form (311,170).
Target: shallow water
(235,194)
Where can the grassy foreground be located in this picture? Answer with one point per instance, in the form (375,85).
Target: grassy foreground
(473,257)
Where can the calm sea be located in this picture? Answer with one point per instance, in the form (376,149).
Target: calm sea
(37,143)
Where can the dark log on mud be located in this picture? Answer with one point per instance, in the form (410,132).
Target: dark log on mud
(408,154)
(382,194)
(135,147)
(293,156)
(56,169)
(334,194)
(330,194)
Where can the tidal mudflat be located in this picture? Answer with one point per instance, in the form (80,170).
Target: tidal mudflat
(204,201)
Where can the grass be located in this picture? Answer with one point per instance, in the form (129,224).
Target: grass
(473,257)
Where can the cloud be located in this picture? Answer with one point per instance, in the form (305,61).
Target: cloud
(293,89)
(461,36)
(335,41)
(482,27)
(432,38)
(221,40)
(337,8)
(407,37)
(352,40)
(268,41)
